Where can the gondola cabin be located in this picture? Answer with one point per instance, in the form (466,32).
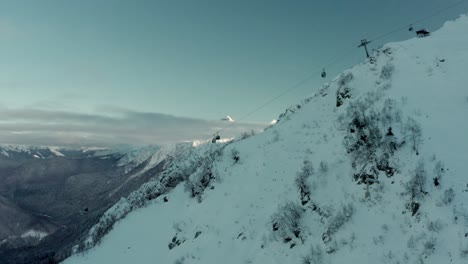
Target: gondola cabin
(324,73)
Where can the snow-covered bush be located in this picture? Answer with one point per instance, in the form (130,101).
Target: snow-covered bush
(323,168)
(369,138)
(286,222)
(448,196)
(413,133)
(176,241)
(464,251)
(246,134)
(439,170)
(341,218)
(434,226)
(235,155)
(390,114)
(315,256)
(180,260)
(344,90)
(415,186)
(387,71)
(200,180)
(363,137)
(203,173)
(429,246)
(302,181)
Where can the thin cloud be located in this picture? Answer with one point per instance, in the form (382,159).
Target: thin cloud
(45,127)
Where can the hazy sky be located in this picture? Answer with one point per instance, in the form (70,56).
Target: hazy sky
(200,59)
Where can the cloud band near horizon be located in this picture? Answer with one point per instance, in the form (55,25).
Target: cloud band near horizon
(62,128)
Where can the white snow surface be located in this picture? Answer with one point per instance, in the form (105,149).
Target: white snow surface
(56,152)
(6,148)
(228,118)
(424,81)
(34,234)
(138,155)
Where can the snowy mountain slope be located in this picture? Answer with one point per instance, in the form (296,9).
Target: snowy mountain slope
(20,151)
(12,155)
(371,169)
(138,155)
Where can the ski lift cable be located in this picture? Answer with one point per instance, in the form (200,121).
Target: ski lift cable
(296,85)
(336,60)
(404,27)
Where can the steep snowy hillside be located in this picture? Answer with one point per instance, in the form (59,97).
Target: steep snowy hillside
(370,169)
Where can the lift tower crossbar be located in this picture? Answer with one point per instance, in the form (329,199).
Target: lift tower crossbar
(364,43)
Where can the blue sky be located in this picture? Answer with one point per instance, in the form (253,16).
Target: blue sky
(199,59)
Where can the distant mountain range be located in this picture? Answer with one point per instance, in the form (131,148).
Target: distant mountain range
(51,196)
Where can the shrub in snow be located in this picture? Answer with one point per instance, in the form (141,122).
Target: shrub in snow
(411,243)
(390,115)
(429,246)
(389,257)
(180,260)
(235,155)
(302,181)
(434,226)
(464,251)
(323,168)
(448,196)
(175,241)
(246,134)
(200,180)
(387,72)
(415,186)
(379,240)
(439,171)
(324,90)
(286,222)
(370,139)
(413,133)
(293,109)
(344,90)
(314,257)
(341,218)
(363,137)
(203,175)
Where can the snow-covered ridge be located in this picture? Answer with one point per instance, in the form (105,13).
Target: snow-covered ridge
(185,159)
(129,156)
(42,152)
(34,234)
(370,169)
(33,151)
(138,155)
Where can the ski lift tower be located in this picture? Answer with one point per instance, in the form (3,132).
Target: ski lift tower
(364,43)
